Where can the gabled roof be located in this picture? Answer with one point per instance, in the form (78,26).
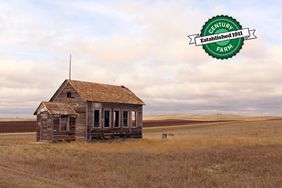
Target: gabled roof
(56,108)
(97,92)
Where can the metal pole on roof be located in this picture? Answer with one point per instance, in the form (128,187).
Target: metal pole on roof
(70,68)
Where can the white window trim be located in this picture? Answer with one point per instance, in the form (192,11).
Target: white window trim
(128,111)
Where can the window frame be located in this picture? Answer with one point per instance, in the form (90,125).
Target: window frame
(67,123)
(104,111)
(59,124)
(100,117)
(123,118)
(119,118)
(69,95)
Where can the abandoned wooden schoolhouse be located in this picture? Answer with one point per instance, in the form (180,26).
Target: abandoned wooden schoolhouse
(85,111)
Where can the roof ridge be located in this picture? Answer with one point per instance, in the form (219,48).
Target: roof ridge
(97,83)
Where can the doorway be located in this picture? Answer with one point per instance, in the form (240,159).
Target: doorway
(106,118)
(116,118)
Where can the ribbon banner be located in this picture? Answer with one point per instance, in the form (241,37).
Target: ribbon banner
(199,41)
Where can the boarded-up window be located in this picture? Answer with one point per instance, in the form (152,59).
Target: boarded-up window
(116,118)
(64,123)
(133,118)
(106,118)
(125,118)
(56,124)
(96,118)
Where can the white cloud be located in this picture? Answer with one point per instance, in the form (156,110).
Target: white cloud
(143,46)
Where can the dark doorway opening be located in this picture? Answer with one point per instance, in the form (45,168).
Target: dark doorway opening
(96,118)
(107,118)
(116,119)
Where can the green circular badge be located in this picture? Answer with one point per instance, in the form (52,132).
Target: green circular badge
(223,49)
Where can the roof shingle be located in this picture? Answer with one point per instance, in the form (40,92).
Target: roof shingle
(105,93)
(59,108)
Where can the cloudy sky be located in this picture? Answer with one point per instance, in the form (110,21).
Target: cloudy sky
(143,45)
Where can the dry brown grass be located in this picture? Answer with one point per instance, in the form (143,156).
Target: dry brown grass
(232,154)
(214,117)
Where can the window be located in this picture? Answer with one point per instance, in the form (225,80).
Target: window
(133,118)
(64,121)
(116,119)
(72,123)
(106,118)
(96,118)
(56,125)
(69,95)
(125,118)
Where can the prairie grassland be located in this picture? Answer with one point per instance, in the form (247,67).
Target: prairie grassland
(217,117)
(229,154)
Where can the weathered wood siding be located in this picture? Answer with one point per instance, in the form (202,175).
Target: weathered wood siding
(44,130)
(78,104)
(84,125)
(101,132)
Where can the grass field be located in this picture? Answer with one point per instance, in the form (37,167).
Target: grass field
(241,153)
